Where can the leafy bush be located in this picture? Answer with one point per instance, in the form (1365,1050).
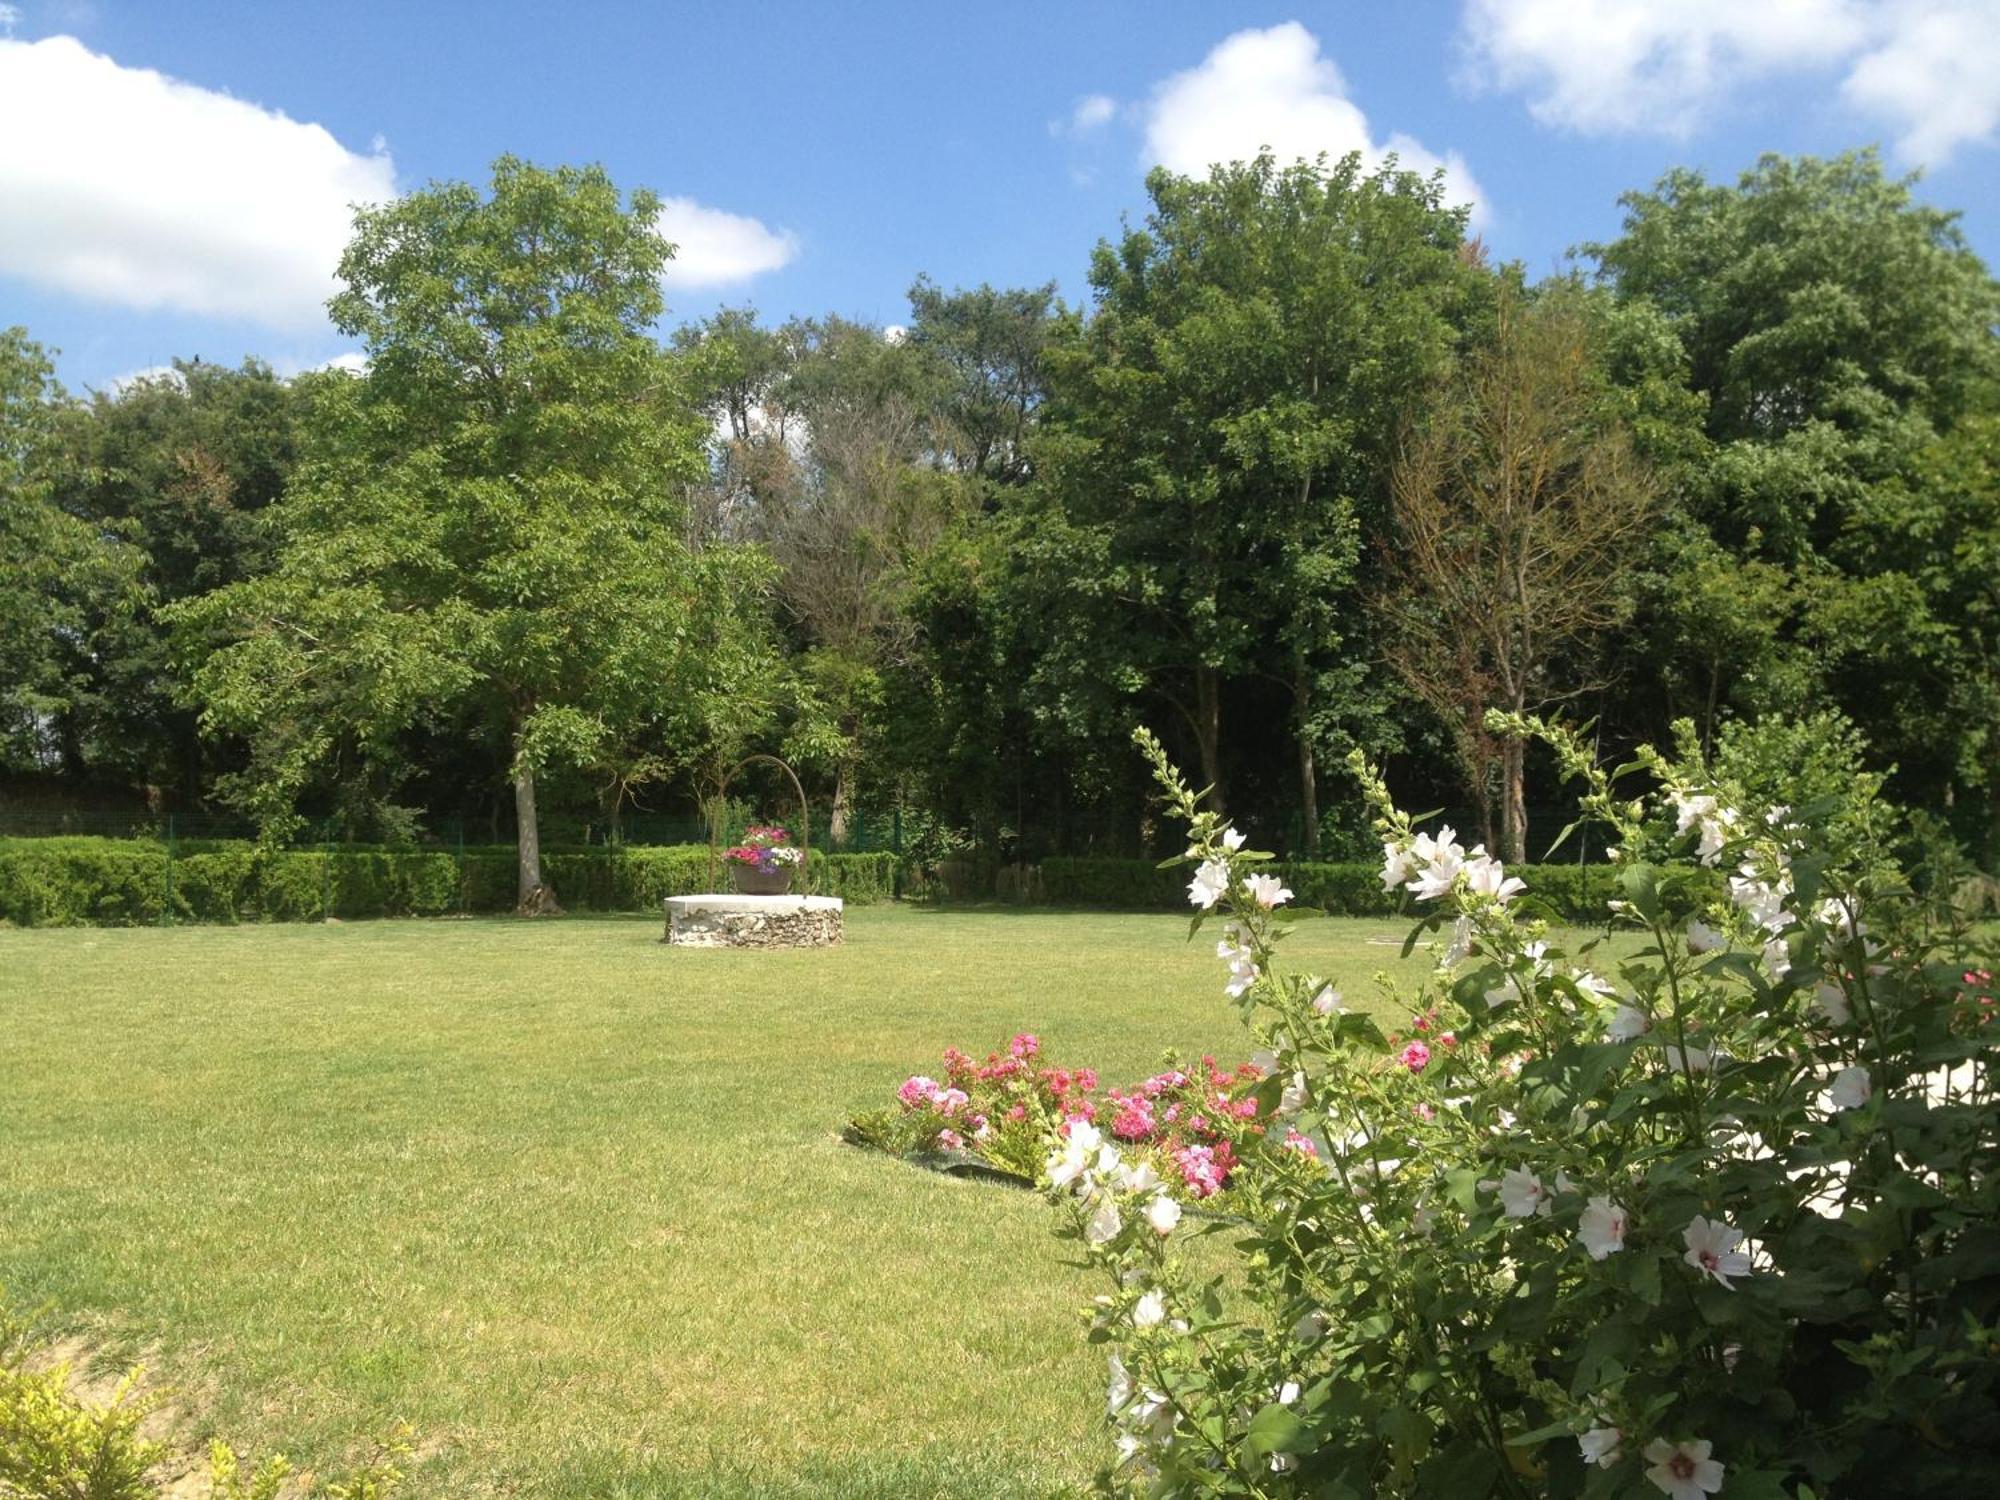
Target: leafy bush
(1721,1216)
(67,882)
(56,1445)
(860,879)
(70,881)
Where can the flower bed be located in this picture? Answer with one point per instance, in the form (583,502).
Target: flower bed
(1189,1124)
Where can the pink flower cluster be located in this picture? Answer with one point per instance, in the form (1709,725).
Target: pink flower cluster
(1205,1169)
(1979,990)
(1134,1120)
(1190,1120)
(1416,1055)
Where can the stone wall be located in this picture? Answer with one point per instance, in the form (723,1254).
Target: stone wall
(753,921)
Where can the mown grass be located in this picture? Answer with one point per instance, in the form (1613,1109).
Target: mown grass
(572,1202)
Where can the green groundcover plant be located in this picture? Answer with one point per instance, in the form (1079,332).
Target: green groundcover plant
(1719,1218)
(56,1444)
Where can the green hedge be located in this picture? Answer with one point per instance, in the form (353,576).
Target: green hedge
(1575,892)
(67,882)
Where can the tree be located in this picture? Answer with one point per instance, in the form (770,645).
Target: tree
(489,524)
(182,466)
(991,343)
(1218,439)
(1838,335)
(851,454)
(1517,504)
(61,582)
(853,497)
(1920,590)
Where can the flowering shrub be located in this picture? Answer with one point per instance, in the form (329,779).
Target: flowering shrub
(1708,1209)
(765,849)
(1189,1122)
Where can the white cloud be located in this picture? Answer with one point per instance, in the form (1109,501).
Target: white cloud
(126,186)
(1615,65)
(118,385)
(290,367)
(10,17)
(1274,88)
(1092,112)
(1934,74)
(894,333)
(1930,69)
(713,248)
(286,367)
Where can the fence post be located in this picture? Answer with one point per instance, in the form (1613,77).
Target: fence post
(326,873)
(464,895)
(896,845)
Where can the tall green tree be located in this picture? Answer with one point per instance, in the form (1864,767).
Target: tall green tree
(1836,331)
(989,342)
(1219,439)
(65,587)
(182,465)
(489,526)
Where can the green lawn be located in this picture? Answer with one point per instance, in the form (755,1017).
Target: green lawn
(572,1202)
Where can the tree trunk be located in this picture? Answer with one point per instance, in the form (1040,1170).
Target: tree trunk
(1513,800)
(843,806)
(1208,733)
(1308,773)
(1478,757)
(536,899)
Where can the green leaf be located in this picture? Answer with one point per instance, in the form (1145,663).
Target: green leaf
(1276,1429)
(1408,1431)
(1641,885)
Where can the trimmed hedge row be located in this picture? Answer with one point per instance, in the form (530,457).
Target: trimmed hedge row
(67,882)
(1575,892)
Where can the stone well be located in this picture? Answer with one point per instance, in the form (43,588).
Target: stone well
(739,921)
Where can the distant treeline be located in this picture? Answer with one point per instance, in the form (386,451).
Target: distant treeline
(1308,473)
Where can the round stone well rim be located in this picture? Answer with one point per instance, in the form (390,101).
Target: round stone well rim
(732,901)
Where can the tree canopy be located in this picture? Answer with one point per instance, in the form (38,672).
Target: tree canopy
(488,526)
(546,562)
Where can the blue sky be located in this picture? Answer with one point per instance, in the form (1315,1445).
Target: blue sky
(174,178)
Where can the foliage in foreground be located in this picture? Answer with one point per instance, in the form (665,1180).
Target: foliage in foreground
(1723,1223)
(57,1445)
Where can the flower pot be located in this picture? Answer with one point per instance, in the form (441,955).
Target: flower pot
(751,881)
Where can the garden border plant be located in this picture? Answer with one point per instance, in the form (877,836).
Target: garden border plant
(58,1444)
(83,881)
(1725,1220)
